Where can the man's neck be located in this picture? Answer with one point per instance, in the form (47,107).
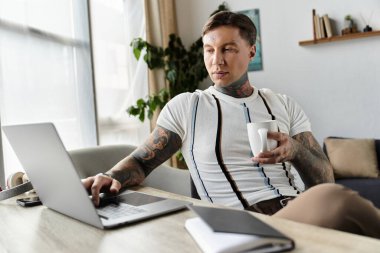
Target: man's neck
(239,89)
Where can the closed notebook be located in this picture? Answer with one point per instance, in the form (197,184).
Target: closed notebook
(219,230)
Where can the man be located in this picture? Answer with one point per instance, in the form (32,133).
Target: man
(210,128)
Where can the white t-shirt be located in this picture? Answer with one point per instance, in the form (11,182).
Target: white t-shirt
(216,149)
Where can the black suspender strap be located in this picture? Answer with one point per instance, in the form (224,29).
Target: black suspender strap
(273,118)
(267,106)
(219,157)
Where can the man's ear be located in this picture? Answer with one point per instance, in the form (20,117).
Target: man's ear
(253,51)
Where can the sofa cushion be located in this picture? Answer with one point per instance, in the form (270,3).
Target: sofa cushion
(352,157)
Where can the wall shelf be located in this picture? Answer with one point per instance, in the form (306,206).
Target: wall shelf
(340,38)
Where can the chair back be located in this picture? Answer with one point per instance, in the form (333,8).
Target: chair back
(94,160)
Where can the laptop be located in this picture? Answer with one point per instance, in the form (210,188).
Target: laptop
(57,183)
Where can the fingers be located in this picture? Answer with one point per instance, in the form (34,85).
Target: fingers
(277,155)
(278,136)
(115,186)
(87,182)
(99,182)
(96,183)
(268,157)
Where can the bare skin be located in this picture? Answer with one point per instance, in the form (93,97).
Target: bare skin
(226,56)
(238,89)
(133,169)
(304,153)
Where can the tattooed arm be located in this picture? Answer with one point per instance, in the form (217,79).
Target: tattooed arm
(305,154)
(310,161)
(133,169)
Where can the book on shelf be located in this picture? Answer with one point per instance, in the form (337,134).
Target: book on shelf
(327,25)
(333,26)
(219,230)
(314,30)
(317,27)
(322,26)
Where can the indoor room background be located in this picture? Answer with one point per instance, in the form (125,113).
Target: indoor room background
(48,71)
(337,84)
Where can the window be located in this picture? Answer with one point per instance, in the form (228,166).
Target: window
(120,78)
(46,71)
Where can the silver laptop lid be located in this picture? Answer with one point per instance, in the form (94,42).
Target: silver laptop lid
(50,169)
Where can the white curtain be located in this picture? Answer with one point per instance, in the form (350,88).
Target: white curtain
(120,79)
(45,70)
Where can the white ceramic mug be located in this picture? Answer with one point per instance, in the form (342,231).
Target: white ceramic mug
(257,135)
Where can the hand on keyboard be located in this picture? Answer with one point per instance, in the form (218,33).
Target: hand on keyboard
(106,199)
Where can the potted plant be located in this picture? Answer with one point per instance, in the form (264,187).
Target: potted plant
(350,25)
(184,70)
(349,21)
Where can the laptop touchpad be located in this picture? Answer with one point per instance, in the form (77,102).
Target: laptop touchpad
(138,199)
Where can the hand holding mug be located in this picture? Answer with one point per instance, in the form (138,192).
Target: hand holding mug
(285,151)
(258,136)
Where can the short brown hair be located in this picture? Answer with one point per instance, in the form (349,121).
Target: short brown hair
(247,28)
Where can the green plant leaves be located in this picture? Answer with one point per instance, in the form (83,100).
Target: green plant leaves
(153,56)
(171,75)
(184,70)
(138,45)
(146,107)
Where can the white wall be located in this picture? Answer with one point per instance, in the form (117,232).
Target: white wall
(337,84)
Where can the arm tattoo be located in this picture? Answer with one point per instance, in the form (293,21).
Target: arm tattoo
(133,169)
(310,161)
(128,177)
(159,147)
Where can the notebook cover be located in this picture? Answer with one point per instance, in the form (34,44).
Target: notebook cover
(219,242)
(235,221)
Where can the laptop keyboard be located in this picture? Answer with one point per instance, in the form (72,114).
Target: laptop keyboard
(115,211)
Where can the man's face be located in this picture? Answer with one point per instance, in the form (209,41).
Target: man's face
(226,55)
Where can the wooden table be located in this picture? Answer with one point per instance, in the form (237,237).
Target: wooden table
(39,229)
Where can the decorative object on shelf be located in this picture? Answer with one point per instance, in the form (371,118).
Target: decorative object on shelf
(350,25)
(367,28)
(349,21)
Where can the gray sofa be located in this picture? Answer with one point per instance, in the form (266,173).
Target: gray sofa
(90,161)
(368,188)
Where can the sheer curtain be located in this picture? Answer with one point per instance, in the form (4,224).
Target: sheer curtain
(46,70)
(120,79)
(161,22)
